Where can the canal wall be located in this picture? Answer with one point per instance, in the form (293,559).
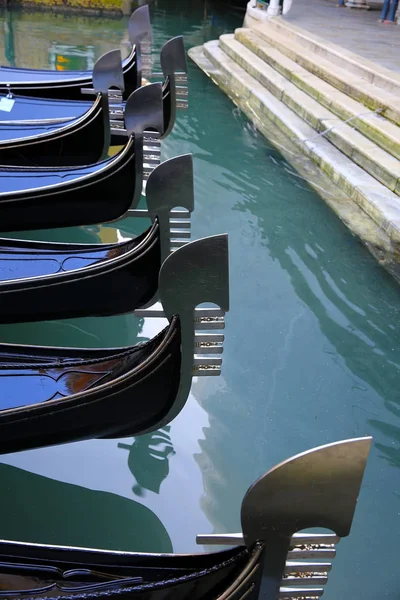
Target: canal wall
(109,7)
(340,110)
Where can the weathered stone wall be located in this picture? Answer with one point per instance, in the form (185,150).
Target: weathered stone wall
(116,7)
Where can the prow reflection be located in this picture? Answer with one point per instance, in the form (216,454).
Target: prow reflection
(148,460)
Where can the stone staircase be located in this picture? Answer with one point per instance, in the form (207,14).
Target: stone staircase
(308,86)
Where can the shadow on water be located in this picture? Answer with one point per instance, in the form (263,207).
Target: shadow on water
(37,509)
(148,460)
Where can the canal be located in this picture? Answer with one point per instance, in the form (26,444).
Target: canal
(312,351)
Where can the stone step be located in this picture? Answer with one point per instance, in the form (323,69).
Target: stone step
(381,131)
(360,89)
(377,162)
(379,203)
(354,63)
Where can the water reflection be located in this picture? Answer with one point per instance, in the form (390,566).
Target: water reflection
(71,57)
(312,351)
(391,452)
(9,46)
(72,515)
(29,38)
(317,319)
(354,300)
(90,332)
(148,460)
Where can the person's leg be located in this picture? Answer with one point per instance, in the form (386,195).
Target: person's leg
(385,10)
(392,12)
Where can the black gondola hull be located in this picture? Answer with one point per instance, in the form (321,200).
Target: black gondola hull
(41,110)
(54,395)
(232,574)
(96,194)
(62,85)
(58,281)
(80,142)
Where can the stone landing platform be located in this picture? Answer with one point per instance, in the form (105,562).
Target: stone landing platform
(339,108)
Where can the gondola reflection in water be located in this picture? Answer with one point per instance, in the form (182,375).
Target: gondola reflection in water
(269,559)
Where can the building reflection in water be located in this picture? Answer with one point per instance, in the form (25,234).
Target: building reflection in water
(312,347)
(9,49)
(29,38)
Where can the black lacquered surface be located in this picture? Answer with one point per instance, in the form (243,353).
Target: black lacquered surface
(29,108)
(10,131)
(82,141)
(42,281)
(60,84)
(46,572)
(55,395)
(32,198)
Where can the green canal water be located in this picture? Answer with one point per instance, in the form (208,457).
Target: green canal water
(311,352)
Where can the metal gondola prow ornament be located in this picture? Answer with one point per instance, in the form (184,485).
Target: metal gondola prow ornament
(307,492)
(174,68)
(236,573)
(145,120)
(195,274)
(140,36)
(108,78)
(108,73)
(317,488)
(139,25)
(173,57)
(171,185)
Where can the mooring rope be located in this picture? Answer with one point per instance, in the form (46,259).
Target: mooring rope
(363,114)
(321,133)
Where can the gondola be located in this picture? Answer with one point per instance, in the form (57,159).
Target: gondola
(38,198)
(69,84)
(269,559)
(58,395)
(40,115)
(46,280)
(81,141)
